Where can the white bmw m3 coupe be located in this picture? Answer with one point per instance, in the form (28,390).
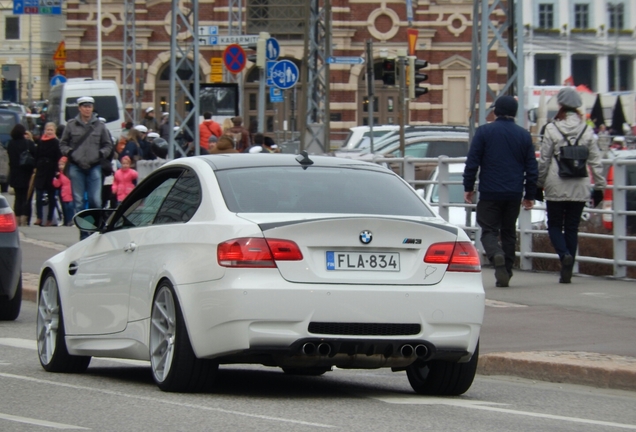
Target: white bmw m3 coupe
(297,262)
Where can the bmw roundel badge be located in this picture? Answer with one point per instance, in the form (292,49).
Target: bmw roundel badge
(366,237)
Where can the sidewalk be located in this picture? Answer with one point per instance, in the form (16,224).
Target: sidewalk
(582,333)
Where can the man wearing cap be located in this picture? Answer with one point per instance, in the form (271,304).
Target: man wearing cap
(164,126)
(150,121)
(503,153)
(86,142)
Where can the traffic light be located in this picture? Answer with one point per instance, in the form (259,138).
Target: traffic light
(259,58)
(388,72)
(416,78)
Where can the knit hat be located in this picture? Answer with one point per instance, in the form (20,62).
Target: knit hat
(506,106)
(570,98)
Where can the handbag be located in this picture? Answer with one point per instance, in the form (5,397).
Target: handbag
(26,159)
(572,161)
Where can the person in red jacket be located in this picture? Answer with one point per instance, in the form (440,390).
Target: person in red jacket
(63,183)
(125,180)
(208,128)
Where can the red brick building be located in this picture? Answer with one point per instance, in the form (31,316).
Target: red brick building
(445,32)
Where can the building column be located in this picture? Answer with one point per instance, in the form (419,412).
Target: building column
(566,67)
(632,85)
(529,70)
(602,73)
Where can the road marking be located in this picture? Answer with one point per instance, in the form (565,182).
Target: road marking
(501,304)
(486,406)
(43,243)
(39,422)
(168,402)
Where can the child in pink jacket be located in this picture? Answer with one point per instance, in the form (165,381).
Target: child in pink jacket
(63,183)
(125,180)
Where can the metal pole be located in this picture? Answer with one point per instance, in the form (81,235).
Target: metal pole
(261,100)
(370,90)
(400,63)
(616,60)
(99,39)
(30,83)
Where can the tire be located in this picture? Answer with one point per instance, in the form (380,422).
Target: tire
(52,351)
(175,368)
(10,310)
(443,378)
(310,371)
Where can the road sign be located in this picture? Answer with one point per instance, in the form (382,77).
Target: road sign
(234,58)
(208,30)
(216,74)
(275,95)
(58,79)
(412,35)
(48,7)
(268,72)
(60,53)
(285,74)
(239,40)
(345,60)
(272,49)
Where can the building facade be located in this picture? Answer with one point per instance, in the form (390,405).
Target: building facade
(589,42)
(444,39)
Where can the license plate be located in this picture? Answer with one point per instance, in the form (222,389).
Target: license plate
(366,261)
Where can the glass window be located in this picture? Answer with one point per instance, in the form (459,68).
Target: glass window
(105,106)
(546,16)
(12,28)
(455,191)
(581,16)
(318,190)
(616,15)
(168,196)
(284,19)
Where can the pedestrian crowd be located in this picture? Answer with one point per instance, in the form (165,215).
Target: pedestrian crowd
(80,165)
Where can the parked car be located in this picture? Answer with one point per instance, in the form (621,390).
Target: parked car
(359,137)
(298,262)
(8,119)
(463,216)
(608,195)
(10,264)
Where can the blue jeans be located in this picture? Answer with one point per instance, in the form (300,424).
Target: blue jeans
(69,212)
(563,225)
(87,181)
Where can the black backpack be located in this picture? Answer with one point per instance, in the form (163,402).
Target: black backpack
(572,160)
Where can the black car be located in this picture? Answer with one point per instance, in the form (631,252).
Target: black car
(10,264)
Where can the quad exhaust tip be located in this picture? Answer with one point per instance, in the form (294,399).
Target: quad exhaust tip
(419,351)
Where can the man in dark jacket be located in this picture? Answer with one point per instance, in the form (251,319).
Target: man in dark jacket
(85,150)
(504,154)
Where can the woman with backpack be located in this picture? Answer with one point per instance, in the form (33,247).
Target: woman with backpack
(563,175)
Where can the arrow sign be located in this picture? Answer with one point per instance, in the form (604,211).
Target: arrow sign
(234,58)
(58,79)
(272,49)
(345,60)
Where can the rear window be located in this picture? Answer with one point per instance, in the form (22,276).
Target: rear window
(318,190)
(105,106)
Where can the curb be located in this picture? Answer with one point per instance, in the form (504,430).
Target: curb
(30,283)
(590,369)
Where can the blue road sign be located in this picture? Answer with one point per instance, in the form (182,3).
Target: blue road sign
(345,60)
(268,72)
(50,7)
(58,79)
(285,74)
(234,58)
(275,95)
(272,49)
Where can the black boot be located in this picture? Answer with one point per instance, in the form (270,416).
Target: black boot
(567,265)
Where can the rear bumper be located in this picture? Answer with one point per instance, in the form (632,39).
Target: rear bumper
(270,322)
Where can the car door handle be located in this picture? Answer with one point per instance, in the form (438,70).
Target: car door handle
(130,247)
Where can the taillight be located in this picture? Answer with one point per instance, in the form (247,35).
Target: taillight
(257,252)
(7,222)
(460,256)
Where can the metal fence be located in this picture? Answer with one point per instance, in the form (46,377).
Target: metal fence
(621,241)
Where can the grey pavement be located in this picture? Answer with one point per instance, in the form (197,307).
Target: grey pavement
(579,333)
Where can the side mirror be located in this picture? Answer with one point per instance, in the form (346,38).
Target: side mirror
(92,220)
